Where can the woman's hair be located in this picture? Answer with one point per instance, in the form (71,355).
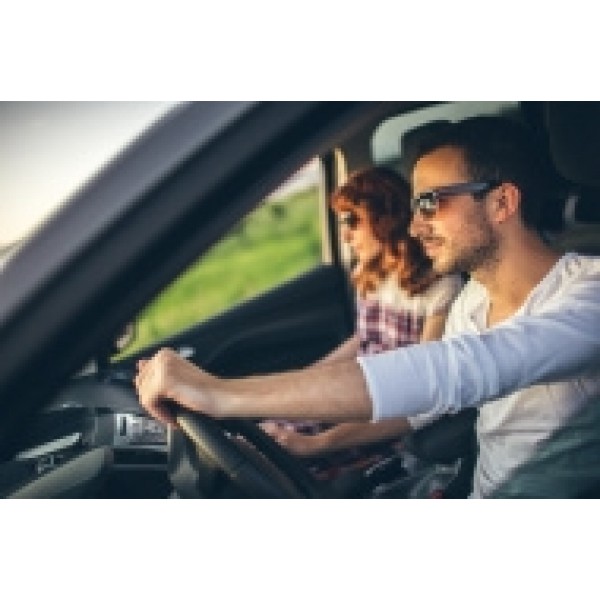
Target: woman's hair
(385,196)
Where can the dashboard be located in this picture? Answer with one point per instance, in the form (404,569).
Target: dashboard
(94,440)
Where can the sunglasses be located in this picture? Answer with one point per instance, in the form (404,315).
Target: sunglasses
(428,203)
(349,219)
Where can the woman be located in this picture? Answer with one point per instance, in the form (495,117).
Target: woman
(399,301)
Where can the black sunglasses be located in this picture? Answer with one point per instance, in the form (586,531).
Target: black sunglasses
(427,203)
(349,219)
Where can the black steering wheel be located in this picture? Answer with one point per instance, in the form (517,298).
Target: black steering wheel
(210,457)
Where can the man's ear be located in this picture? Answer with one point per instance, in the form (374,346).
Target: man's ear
(506,202)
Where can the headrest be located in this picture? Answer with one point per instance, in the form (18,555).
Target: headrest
(574,139)
(583,208)
(582,224)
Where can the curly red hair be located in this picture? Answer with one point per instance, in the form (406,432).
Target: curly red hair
(385,196)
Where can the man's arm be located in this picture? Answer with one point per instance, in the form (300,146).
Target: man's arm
(469,369)
(442,376)
(330,392)
(345,351)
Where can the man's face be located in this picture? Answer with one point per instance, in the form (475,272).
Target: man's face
(458,236)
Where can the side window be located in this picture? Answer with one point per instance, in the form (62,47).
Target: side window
(278,241)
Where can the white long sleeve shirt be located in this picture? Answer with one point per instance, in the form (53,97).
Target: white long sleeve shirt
(540,368)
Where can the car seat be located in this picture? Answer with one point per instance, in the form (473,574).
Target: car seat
(573,137)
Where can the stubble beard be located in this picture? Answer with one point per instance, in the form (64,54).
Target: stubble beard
(478,255)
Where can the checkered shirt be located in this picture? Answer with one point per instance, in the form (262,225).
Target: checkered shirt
(382,327)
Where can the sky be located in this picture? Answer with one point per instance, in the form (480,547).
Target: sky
(47,149)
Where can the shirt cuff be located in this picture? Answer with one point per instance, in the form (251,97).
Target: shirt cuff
(399,382)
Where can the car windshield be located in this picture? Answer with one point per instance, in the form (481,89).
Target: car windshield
(64,144)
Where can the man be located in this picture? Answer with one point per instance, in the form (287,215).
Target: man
(522,342)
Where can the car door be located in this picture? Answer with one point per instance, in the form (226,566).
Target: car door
(143,219)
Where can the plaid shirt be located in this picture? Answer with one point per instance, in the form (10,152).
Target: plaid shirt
(382,327)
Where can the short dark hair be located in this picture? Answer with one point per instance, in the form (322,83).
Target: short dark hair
(497,149)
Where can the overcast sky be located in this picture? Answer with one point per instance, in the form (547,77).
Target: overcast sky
(47,149)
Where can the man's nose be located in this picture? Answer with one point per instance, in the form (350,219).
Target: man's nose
(417,224)
(346,234)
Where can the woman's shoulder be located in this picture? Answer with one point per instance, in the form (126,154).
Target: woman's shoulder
(445,283)
(389,292)
(442,292)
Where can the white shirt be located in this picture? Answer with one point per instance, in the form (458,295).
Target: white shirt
(540,367)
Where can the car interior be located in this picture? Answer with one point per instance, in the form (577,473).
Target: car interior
(92,439)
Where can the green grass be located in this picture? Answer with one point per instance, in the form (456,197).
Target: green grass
(275,243)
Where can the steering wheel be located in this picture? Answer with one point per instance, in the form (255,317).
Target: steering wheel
(216,458)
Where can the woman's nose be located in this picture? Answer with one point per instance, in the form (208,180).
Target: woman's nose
(346,234)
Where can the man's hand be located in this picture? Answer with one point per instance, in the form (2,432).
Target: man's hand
(168,378)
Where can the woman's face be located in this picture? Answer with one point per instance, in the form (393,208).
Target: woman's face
(357,232)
